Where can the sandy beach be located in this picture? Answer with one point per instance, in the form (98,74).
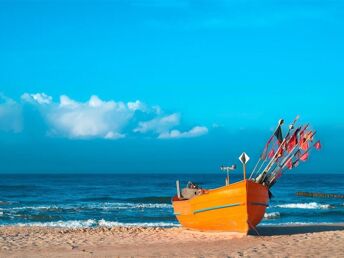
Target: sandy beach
(277,241)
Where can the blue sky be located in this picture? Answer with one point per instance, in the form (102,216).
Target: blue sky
(165,86)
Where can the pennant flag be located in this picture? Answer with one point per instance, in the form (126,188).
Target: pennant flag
(280,153)
(304,156)
(278,134)
(317,145)
(290,164)
(303,141)
(293,140)
(309,136)
(271,153)
(265,151)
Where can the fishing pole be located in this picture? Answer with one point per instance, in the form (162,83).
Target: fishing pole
(294,154)
(267,168)
(266,147)
(291,155)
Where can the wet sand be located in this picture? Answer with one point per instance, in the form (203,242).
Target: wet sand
(277,241)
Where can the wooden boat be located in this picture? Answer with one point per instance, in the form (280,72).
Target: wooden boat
(235,207)
(241,206)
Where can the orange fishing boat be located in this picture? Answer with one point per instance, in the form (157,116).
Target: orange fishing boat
(241,206)
(235,207)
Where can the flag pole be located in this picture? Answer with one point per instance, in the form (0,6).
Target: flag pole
(266,147)
(293,155)
(261,176)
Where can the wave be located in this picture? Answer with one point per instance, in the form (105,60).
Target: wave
(94,206)
(310,205)
(272,215)
(91,223)
(295,223)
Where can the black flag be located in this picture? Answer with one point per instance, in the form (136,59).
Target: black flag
(278,134)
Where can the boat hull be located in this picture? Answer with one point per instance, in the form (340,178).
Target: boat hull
(236,207)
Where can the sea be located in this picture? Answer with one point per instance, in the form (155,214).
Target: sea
(79,201)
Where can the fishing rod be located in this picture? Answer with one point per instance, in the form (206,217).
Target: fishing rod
(279,152)
(273,178)
(266,147)
(261,176)
(263,163)
(292,154)
(294,138)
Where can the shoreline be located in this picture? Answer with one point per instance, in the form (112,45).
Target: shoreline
(274,241)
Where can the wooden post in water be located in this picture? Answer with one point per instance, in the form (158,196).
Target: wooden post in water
(321,195)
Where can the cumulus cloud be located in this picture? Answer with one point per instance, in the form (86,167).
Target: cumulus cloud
(194,132)
(159,125)
(97,118)
(40,98)
(94,118)
(10,115)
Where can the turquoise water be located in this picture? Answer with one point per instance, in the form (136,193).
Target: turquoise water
(111,200)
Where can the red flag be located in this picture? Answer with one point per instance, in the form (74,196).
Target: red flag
(290,164)
(309,136)
(271,153)
(317,145)
(303,141)
(293,141)
(304,156)
(280,153)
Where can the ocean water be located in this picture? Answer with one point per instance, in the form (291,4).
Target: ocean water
(114,200)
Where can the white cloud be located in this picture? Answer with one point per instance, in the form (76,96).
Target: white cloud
(40,98)
(137,105)
(93,118)
(114,135)
(97,118)
(194,132)
(159,125)
(10,115)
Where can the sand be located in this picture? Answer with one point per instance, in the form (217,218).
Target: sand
(282,241)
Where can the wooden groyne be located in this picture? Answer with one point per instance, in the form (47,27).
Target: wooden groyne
(321,195)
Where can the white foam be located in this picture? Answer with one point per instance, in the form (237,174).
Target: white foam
(272,215)
(310,205)
(90,223)
(103,206)
(104,223)
(61,224)
(295,223)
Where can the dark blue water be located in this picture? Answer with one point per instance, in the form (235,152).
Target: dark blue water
(110,200)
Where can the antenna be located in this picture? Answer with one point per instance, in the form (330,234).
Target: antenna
(227,169)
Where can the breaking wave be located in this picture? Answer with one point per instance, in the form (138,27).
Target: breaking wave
(90,223)
(96,206)
(272,215)
(310,205)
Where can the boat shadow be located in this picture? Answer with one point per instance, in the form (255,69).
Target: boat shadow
(294,229)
